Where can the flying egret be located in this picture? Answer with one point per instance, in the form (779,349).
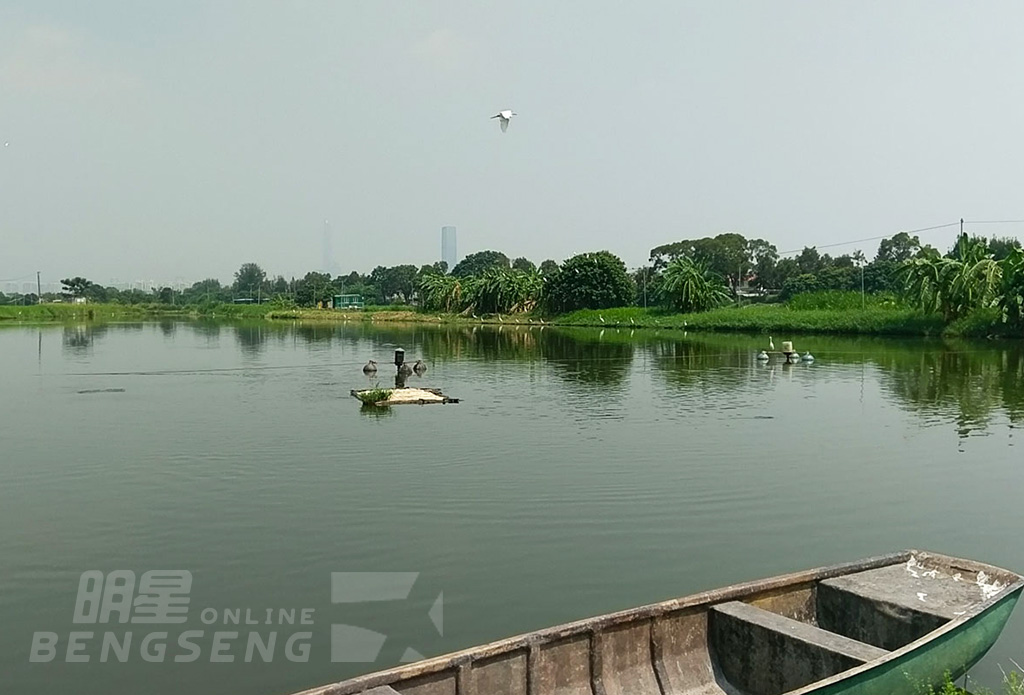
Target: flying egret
(505,117)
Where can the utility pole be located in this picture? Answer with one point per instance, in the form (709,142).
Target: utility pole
(862,284)
(39,289)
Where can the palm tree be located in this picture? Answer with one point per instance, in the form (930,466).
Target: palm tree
(689,285)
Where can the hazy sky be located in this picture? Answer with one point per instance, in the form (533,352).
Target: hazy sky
(180,139)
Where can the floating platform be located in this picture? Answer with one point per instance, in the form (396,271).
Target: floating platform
(406,396)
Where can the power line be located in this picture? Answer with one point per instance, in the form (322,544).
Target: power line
(908,231)
(23,277)
(877,238)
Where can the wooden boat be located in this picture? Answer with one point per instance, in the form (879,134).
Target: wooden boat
(888,625)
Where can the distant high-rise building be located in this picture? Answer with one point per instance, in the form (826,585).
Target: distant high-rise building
(448,253)
(328,252)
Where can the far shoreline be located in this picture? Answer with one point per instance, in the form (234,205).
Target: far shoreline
(766,318)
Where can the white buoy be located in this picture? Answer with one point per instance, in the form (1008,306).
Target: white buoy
(762,355)
(808,357)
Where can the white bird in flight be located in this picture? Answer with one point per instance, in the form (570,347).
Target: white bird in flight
(505,117)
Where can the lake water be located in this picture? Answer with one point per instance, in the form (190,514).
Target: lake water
(583,472)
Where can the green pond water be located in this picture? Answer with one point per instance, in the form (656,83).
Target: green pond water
(583,472)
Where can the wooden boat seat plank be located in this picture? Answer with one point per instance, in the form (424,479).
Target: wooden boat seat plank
(763,653)
(938,594)
(803,632)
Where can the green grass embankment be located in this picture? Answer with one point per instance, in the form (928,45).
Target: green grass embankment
(878,319)
(769,318)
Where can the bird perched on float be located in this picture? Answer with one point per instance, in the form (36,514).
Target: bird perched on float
(771,345)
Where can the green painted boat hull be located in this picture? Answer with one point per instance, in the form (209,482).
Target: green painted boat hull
(953,653)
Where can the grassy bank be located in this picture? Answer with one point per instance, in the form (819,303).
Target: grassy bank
(36,313)
(770,318)
(879,319)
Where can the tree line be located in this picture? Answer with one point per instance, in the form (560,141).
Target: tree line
(687,275)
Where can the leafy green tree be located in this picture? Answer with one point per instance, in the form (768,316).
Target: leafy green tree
(810,261)
(249,278)
(77,287)
(313,289)
(164,295)
(763,263)
(395,282)
(205,290)
(898,248)
(690,285)
(729,255)
(595,280)
(882,276)
(524,264)
(648,285)
(548,268)
(1002,247)
(799,284)
(477,263)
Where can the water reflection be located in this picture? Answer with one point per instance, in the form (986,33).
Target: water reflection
(589,357)
(251,338)
(168,327)
(973,383)
(968,384)
(79,338)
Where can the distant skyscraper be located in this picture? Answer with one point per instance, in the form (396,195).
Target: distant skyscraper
(448,253)
(327,264)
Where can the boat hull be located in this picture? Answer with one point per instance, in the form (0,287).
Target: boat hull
(928,663)
(889,625)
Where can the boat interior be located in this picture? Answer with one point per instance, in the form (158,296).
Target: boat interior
(763,638)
